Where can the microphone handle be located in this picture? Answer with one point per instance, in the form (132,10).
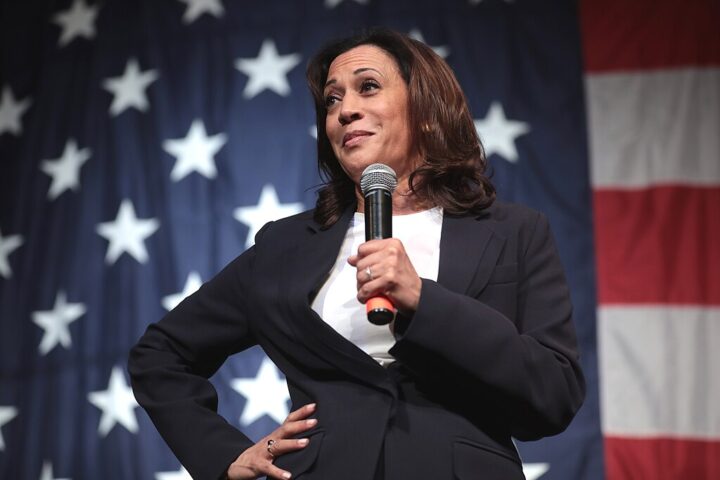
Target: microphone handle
(378,214)
(378,225)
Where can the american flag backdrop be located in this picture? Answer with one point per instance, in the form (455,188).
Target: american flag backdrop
(143,143)
(653,103)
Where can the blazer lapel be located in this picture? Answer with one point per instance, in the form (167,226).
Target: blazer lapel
(469,250)
(305,270)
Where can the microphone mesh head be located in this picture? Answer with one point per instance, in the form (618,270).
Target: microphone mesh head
(378,175)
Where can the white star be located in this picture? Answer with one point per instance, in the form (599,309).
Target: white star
(267,209)
(267,393)
(498,134)
(181,474)
(65,171)
(533,471)
(192,284)
(11,111)
(55,322)
(117,404)
(7,246)
(6,414)
(195,8)
(47,472)
(129,89)
(195,152)
(79,20)
(443,51)
(127,233)
(268,70)
(335,3)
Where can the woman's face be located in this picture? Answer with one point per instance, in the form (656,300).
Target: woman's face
(367,112)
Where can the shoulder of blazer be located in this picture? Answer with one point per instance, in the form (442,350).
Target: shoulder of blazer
(300,224)
(501,212)
(299,219)
(511,219)
(292,225)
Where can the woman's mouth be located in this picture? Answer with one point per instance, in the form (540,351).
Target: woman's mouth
(355,137)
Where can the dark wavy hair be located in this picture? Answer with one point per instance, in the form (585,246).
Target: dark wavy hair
(452,173)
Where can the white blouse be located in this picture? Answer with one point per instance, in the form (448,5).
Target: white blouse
(337,303)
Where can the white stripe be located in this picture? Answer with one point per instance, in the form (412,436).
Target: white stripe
(660,371)
(654,128)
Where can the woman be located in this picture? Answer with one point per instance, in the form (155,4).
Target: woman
(482,349)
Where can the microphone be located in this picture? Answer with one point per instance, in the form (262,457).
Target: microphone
(377,182)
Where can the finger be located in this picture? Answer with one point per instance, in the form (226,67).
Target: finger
(367,273)
(293,428)
(377,262)
(392,244)
(372,246)
(274,472)
(385,254)
(301,412)
(386,270)
(374,251)
(373,289)
(281,447)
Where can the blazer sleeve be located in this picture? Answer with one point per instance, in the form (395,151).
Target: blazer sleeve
(170,365)
(526,370)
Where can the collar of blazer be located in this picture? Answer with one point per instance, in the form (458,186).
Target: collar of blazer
(469,250)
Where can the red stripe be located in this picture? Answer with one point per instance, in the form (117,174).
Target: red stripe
(649,34)
(661,459)
(658,245)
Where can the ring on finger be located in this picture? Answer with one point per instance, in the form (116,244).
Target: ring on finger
(270,444)
(369,274)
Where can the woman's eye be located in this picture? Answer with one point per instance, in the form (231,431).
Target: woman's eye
(368,85)
(330,100)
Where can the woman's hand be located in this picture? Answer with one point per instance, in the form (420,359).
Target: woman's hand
(257,460)
(383,268)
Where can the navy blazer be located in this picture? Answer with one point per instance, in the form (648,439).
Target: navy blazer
(489,354)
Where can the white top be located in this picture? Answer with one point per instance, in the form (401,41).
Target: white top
(337,303)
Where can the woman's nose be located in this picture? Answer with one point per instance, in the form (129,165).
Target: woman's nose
(349,110)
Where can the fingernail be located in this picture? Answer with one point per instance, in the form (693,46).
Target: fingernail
(303,441)
(312,421)
(312,405)
(286,475)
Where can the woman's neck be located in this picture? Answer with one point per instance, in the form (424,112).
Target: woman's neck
(404,201)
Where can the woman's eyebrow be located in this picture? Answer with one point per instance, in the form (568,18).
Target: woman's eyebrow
(365,69)
(359,70)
